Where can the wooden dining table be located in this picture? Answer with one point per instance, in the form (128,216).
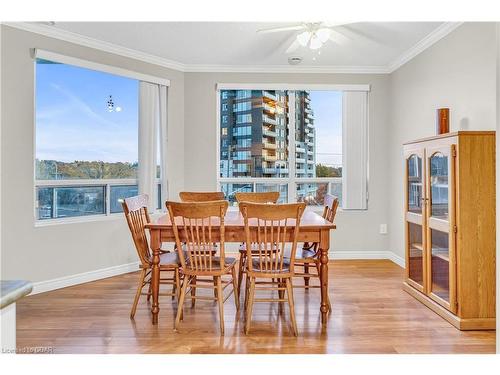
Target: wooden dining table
(313,228)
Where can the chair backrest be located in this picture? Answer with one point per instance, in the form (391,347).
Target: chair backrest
(331,205)
(198,196)
(264,197)
(197,227)
(268,229)
(136,213)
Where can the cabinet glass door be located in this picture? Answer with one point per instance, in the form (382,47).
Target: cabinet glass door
(415,208)
(440,226)
(415,191)
(439,185)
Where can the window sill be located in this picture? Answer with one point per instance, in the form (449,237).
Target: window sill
(79,220)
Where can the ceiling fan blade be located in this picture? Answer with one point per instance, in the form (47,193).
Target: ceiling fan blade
(339,38)
(293,47)
(280,29)
(332,25)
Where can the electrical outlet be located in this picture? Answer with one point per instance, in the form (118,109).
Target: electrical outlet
(383,228)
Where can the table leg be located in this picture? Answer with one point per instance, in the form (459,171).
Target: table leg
(155,274)
(324,246)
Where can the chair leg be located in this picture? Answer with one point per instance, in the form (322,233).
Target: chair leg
(215,286)
(174,284)
(240,272)
(291,305)
(185,283)
(281,293)
(251,293)
(247,288)
(236,291)
(138,293)
(220,300)
(193,293)
(306,278)
(177,281)
(148,298)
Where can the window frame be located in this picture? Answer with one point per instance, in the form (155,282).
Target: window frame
(107,183)
(291,181)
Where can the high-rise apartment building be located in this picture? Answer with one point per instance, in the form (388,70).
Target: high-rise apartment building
(254,133)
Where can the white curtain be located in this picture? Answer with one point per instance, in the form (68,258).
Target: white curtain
(163,143)
(152,128)
(355,150)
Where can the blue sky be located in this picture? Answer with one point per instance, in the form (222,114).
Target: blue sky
(327,107)
(73,122)
(72,119)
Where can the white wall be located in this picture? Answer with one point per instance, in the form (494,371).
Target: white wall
(457,72)
(357,230)
(46,253)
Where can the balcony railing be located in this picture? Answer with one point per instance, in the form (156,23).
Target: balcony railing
(269,109)
(269,157)
(60,199)
(300,160)
(299,188)
(267,94)
(269,170)
(267,145)
(269,133)
(300,149)
(268,120)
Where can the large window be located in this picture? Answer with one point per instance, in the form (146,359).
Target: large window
(86,141)
(288,141)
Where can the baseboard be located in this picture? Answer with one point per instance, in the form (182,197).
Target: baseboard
(401,262)
(81,278)
(65,281)
(367,254)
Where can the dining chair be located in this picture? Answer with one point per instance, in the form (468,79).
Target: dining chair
(201,196)
(197,196)
(309,254)
(197,226)
(263,197)
(273,228)
(136,213)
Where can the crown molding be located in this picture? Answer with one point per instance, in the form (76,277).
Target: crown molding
(435,36)
(287,69)
(85,41)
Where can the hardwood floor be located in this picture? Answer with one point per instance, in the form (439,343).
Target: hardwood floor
(371,314)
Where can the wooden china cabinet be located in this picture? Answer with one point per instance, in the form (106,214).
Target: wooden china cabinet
(450,226)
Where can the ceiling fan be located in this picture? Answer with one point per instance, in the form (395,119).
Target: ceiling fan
(312,34)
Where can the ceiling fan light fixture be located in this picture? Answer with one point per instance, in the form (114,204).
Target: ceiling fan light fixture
(303,38)
(315,42)
(323,34)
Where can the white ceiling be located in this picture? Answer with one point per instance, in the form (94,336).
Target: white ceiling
(369,47)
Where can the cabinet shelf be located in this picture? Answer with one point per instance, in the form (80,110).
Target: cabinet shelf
(438,252)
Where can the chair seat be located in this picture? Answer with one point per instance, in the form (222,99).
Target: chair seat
(167,260)
(305,256)
(255,248)
(209,248)
(257,267)
(229,262)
